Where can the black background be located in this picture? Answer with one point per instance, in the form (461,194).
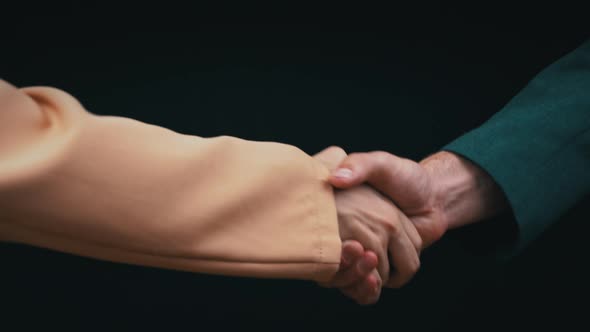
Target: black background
(405,79)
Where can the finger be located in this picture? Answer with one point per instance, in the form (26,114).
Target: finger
(351,293)
(367,291)
(364,266)
(398,178)
(404,259)
(352,251)
(372,242)
(363,167)
(331,157)
(371,289)
(376,245)
(412,232)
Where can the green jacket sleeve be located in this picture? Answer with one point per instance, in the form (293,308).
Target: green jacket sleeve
(537,148)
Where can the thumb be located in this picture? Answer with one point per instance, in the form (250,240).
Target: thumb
(358,168)
(398,178)
(331,157)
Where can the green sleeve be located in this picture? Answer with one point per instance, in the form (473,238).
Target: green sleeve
(537,148)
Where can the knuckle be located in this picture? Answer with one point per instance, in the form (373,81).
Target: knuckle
(374,241)
(336,150)
(381,158)
(390,226)
(355,157)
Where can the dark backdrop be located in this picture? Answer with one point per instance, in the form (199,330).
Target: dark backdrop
(405,79)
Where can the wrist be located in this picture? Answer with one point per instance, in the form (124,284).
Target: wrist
(463,193)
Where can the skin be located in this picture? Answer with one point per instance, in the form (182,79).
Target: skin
(370,226)
(439,193)
(357,277)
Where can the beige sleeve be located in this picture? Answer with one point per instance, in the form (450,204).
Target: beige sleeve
(117,189)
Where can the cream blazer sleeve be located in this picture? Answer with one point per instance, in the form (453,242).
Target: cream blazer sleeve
(117,189)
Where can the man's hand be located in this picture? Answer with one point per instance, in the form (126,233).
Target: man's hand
(441,192)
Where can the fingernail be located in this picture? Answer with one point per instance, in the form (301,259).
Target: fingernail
(343,173)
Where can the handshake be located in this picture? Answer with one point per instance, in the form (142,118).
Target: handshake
(391,208)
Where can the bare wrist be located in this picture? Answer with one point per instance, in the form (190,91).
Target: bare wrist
(463,192)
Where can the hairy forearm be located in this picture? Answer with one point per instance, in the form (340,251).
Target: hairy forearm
(464,193)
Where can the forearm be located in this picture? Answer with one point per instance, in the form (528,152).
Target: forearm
(463,192)
(536,147)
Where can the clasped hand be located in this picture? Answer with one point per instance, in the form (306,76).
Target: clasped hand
(386,217)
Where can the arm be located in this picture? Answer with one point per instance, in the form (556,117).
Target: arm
(463,193)
(537,148)
(531,157)
(121,190)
